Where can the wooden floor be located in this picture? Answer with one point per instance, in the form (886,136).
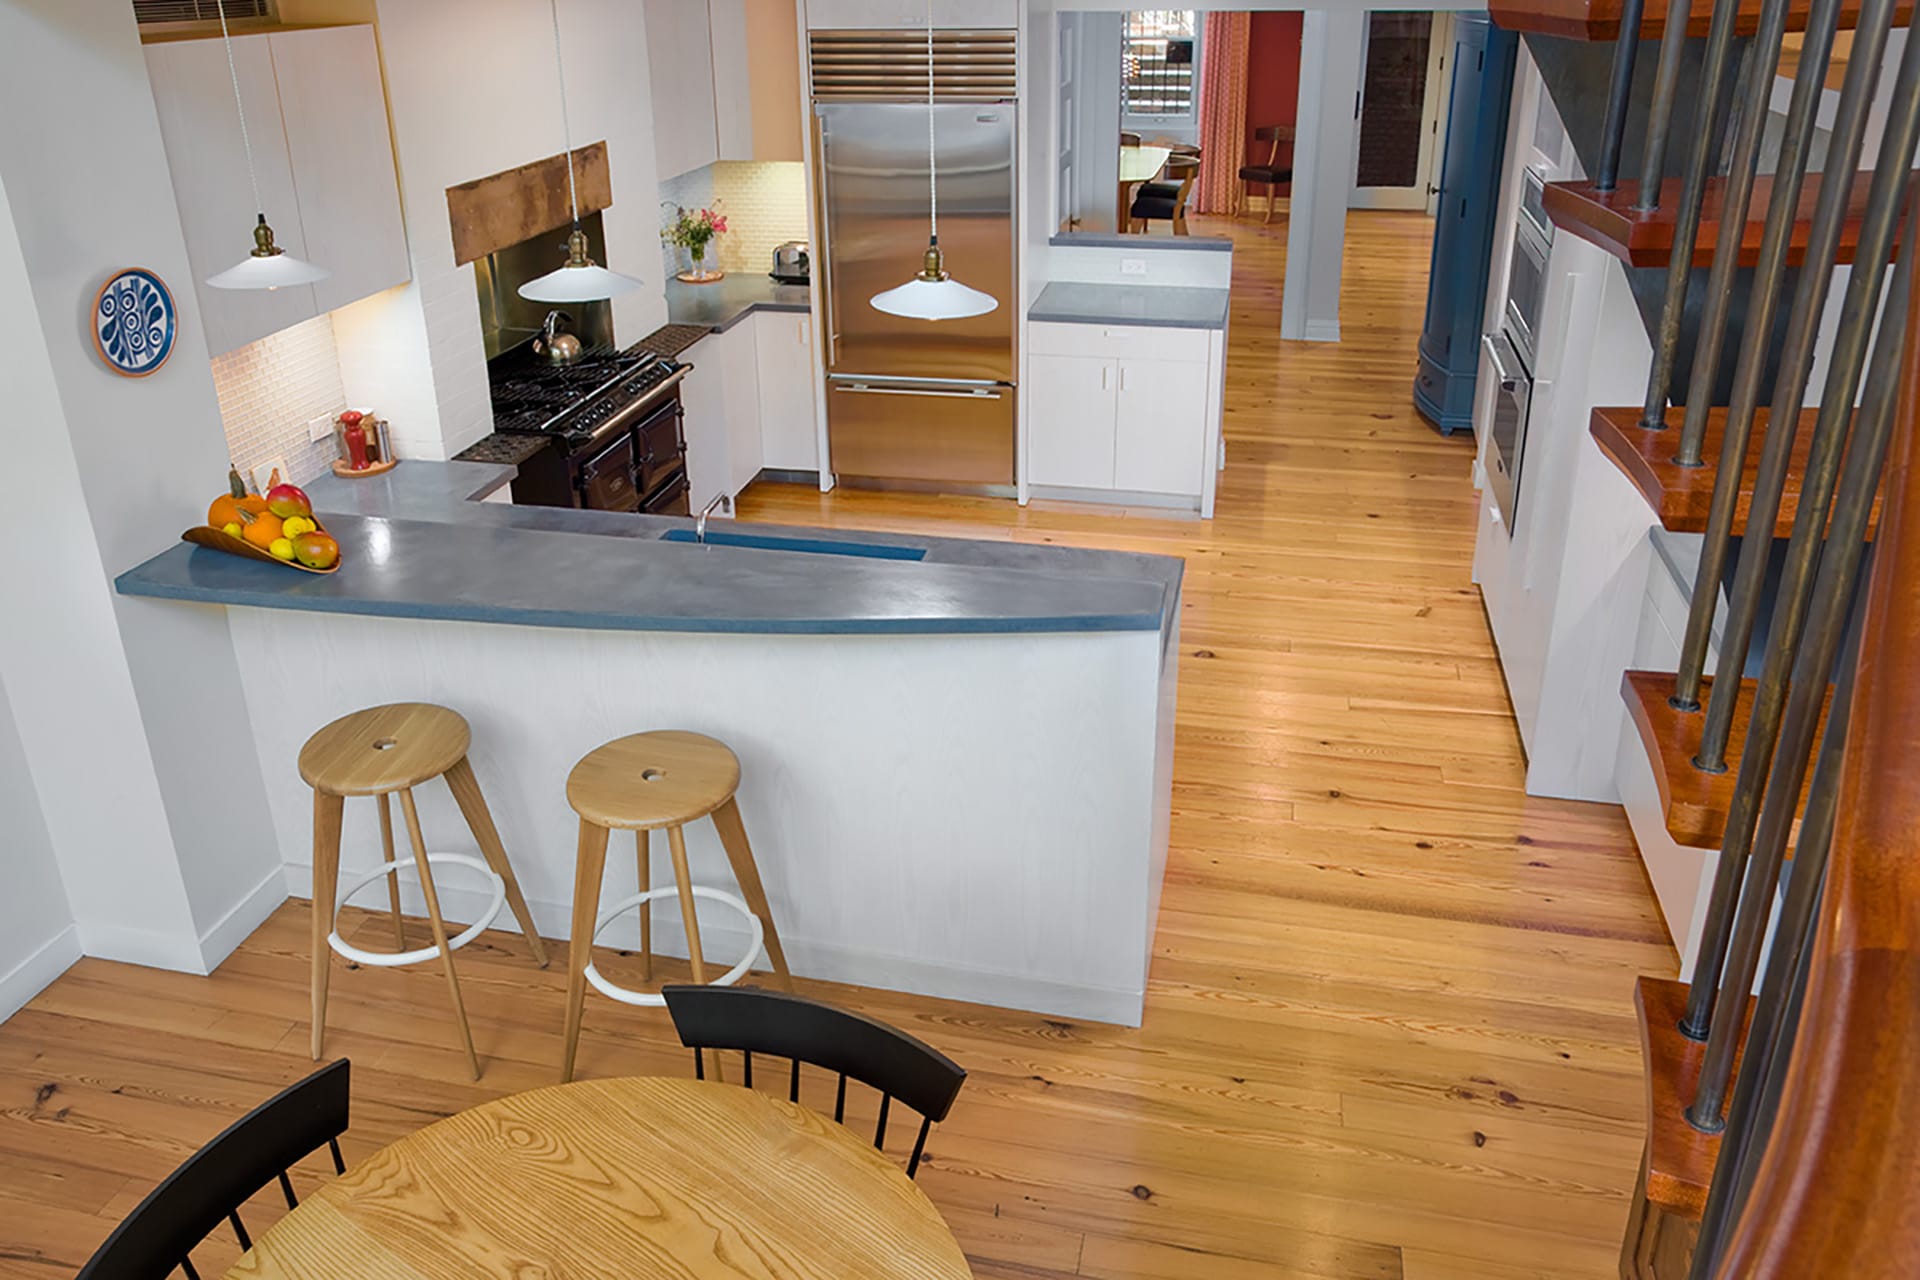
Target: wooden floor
(1390,1031)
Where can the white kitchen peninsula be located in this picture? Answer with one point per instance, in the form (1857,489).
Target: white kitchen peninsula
(956,756)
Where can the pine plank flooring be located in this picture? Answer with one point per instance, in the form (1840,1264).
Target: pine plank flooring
(1390,1032)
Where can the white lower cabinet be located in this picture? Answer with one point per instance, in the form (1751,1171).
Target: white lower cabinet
(721,397)
(1070,415)
(789,432)
(1126,410)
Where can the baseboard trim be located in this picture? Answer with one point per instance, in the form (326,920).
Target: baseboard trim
(154,948)
(246,915)
(33,975)
(808,958)
(1321,331)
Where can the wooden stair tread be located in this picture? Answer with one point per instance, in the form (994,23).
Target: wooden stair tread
(1600,19)
(1695,802)
(1680,1158)
(1680,496)
(1645,239)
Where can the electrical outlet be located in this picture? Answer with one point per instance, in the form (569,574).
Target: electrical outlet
(319,428)
(1133,266)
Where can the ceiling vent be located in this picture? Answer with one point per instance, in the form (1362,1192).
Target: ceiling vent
(891,66)
(154,13)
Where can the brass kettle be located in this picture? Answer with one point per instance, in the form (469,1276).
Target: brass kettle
(557,347)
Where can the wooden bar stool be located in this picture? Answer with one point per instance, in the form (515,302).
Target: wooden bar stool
(639,783)
(378,752)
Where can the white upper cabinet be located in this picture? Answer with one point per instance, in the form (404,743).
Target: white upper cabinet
(317,119)
(201,132)
(680,70)
(336,121)
(724,82)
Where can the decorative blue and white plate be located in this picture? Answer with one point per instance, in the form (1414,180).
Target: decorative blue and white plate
(134,323)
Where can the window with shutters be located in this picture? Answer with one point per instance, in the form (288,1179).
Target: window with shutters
(1160,63)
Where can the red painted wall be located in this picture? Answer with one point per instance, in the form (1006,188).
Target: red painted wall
(1273,79)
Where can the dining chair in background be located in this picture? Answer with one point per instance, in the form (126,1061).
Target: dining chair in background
(1166,201)
(779,1025)
(1129,139)
(1272,173)
(261,1146)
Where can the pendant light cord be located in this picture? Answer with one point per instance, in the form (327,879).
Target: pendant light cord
(246,143)
(566,127)
(933,183)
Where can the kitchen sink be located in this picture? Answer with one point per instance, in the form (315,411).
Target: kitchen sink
(805,546)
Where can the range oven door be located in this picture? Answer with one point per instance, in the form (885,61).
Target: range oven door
(605,481)
(1507,430)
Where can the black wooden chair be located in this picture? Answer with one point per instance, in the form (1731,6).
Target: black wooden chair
(216,1180)
(1272,173)
(794,1027)
(1166,201)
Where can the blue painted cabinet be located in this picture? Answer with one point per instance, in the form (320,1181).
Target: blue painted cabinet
(1481,64)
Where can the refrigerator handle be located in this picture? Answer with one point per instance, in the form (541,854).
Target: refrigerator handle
(862,389)
(829,296)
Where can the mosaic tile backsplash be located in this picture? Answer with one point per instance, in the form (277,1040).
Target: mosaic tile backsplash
(269,390)
(765,203)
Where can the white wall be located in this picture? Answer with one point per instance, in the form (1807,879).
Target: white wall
(117,703)
(38,939)
(472,90)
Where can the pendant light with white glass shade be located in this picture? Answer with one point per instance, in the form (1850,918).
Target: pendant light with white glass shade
(268,266)
(580,279)
(933,294)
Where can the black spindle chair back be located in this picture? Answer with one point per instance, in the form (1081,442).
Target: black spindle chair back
(258,1148)
(855,1047)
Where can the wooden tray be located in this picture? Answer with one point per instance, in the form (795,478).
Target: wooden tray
(374,469)
(220,540)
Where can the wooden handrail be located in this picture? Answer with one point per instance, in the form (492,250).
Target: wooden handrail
(1838,1190)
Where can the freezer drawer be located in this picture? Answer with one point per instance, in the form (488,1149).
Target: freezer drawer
(921,431)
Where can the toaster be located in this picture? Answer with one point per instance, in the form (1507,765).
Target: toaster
(791,263)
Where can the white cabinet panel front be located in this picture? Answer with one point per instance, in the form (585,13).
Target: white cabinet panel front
(1160,438)
(721,397)
(1070,420)
(789,436)
(335,112)
(680,67)
(201,132)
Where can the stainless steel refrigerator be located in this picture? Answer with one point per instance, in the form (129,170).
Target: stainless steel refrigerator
(916,402)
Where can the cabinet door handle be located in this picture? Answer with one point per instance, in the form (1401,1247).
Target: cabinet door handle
(1123,377)
(1103,377)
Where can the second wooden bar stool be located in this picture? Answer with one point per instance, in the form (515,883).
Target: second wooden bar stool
(639,783)
(378,752)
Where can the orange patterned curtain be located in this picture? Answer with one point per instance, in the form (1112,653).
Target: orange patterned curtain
(1223,110)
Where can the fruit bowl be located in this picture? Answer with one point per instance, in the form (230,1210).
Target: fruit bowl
(206,536)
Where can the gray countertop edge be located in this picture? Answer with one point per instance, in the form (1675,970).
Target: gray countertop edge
(1109,240)
(1174,307)
(723,304)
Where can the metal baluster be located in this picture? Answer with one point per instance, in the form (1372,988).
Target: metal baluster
(793,1086)
(1885,203)
(1796,144)
(1835,587)
(1693,190)
(1756,84)
(919,1147)
(1747,1124)
(1666,84)
(880,1130)
(1613,134)
(286,1189)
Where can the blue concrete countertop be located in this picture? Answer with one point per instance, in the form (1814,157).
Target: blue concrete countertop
(1160,306)
(726,302)
(416,545)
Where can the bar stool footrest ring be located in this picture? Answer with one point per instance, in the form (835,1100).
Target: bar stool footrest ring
(649,999)
(392,959)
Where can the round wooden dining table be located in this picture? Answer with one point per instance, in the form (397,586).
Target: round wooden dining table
(627,1179)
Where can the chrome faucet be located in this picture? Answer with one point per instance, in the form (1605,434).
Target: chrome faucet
(720,500)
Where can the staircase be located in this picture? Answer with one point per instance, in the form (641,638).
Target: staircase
(1732,269)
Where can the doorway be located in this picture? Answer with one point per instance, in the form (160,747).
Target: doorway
(1403,100)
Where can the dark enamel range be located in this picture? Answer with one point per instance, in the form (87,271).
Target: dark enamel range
(612,421)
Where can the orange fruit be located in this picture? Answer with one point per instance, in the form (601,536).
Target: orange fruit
(253,502)
(263,530)
(224,511)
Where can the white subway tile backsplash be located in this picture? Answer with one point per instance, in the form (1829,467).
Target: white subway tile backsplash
(765,203)
(269,390)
